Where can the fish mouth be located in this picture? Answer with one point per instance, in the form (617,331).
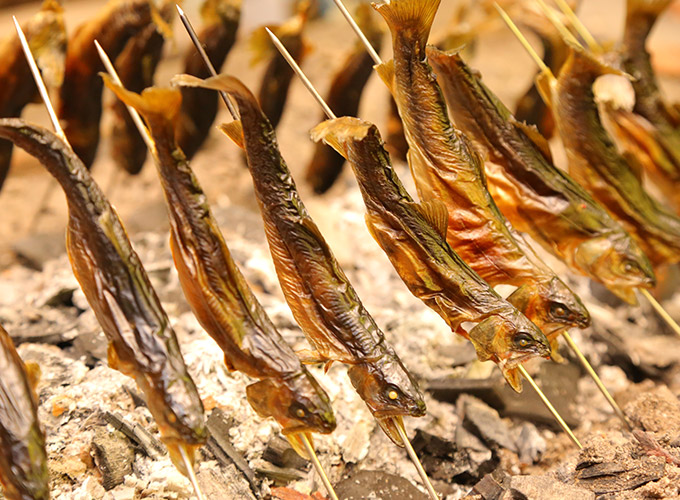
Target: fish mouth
(389,427)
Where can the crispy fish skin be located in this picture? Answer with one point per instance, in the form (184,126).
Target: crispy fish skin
(595,163)
(136,66)
(445,166)
(410,233)
(218,293)
(46,35)
(343,98)
(322,299)
(221,19)
(80,103)
(278,74)
(23,461)
(142,343)
(532,193)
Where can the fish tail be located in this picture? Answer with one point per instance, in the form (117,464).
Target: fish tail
(410,18)
(648,7)
(336,132)
(153,103)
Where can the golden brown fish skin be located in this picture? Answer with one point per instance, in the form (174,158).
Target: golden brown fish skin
(46,35)
(136,66)
(595,163)
(343,98)
(431,269)
(80,103)
(23,461)
(322,299)
(216,290)
(532,193)
(142,343)
(445,166)
(278,74)
(221,19)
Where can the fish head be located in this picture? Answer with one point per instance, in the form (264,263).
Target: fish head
(509,339)
(297,403)
(551,305)
(389,391)
(618,263)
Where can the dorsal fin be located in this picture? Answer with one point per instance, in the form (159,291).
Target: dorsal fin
(535,136)
(436,214)
(386,73)
(234,130)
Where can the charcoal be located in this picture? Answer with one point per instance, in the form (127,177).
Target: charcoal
(546,487)
(486,424)
(113,455)
(377,484)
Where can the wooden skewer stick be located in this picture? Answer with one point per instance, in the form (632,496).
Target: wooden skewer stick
(192,475)
(593,374)
(557,23)
(579,26)
(206,60)
(662,312)
(398,421)
(42,89)
(525,43)
(549,405)
(371,51)
(317,465)
(146,135)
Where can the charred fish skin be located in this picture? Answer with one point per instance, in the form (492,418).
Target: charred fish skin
(221,19)
(536,196)
(136,66)
(80,103)
(596,164)
(23,461)
(641,16)
(445,166)
(142,343)
(411,234)
(343,98)
(322,299)
(216,290)
(46,34)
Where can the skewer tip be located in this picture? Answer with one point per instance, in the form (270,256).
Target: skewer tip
(399,424)
(191,474)
(180,11)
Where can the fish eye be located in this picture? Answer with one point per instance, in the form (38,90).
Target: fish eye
(298,410)
(523,339)
(629,266)
(558,310)
(392,391)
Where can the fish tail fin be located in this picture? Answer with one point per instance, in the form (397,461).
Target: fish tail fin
(649,7)
(412,18)
(336,132)
(152,103)
(234,130)
(386,73)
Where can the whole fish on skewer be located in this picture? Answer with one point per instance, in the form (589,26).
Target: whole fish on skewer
(413,237)
(23,461)
(47,37)
(80,103)
(322,299)
(343,97)
(142,344)
(221,19)
(218,293)
(136,65)
(445,167)
(536,196)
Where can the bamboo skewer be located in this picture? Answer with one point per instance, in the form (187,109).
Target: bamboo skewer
(192,475)
(557,23)
(662,312)
(579,26)
(206,60)
(144,132)
(549,405)
(398,421)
